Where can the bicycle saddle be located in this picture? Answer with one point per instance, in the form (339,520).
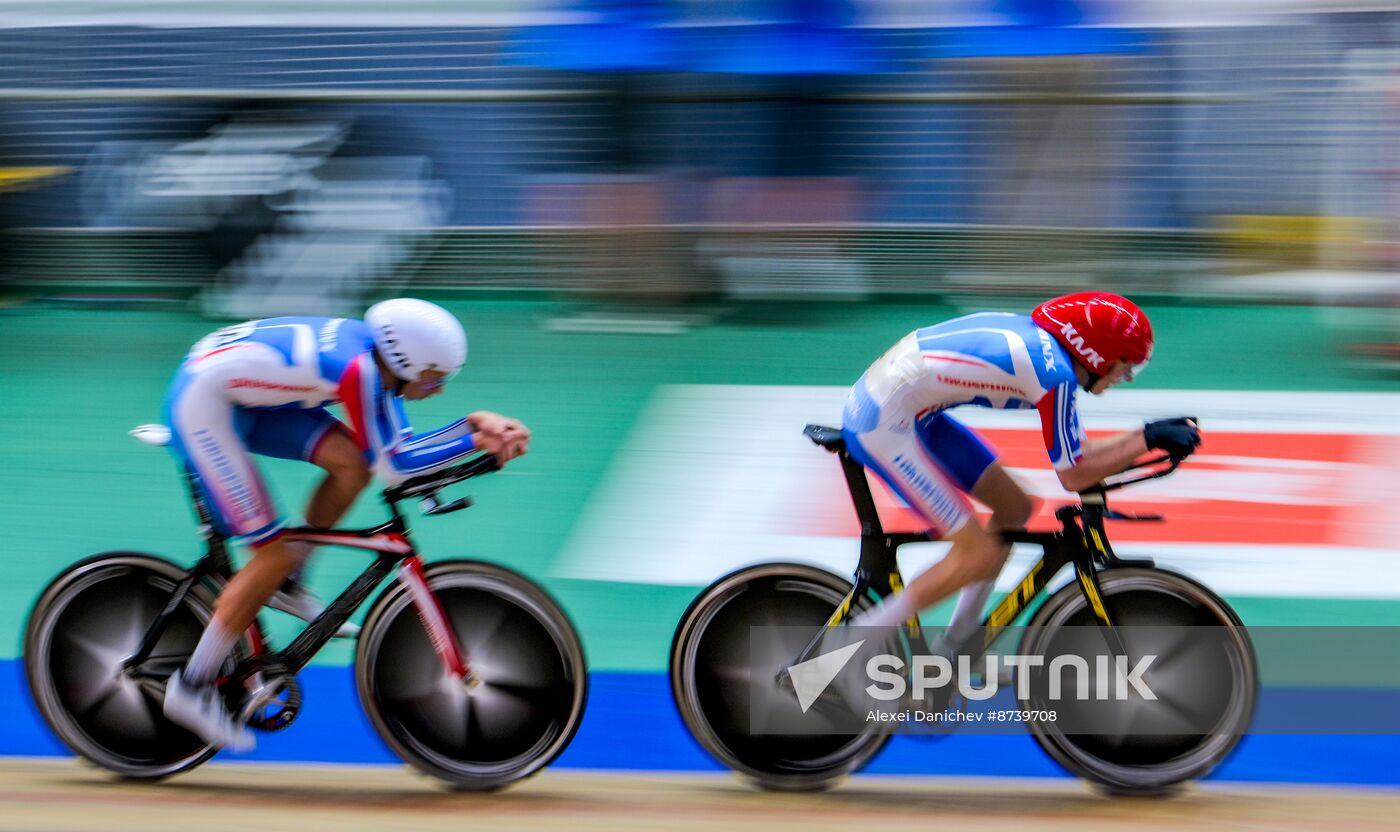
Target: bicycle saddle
(829,438)
(158,435)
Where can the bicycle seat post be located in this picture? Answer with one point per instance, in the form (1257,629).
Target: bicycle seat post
(861,497)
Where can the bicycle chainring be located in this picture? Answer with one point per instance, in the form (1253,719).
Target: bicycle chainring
(272,705)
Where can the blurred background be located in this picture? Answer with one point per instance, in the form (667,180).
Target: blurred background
(267,157)
(676,231)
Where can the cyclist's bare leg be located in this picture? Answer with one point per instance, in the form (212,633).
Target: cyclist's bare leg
(1011,508)
(976,556)
(273,562)
(346,476)
(191,699)
(251,586)
(974,561)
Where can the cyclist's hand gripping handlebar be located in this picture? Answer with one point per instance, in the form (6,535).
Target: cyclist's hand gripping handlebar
(1093,502)
(1179,436)
(1154,467)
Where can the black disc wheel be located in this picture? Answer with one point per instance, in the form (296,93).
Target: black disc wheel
(1203,676)
(728,689)
(524,699)
(84,627)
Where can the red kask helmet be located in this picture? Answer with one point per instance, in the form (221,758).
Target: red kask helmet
(1098,328)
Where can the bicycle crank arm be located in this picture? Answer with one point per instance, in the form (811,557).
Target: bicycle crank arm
(269,694)
(263,693)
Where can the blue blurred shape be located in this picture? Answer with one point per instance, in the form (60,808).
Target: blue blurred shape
(631,723)
(785,49)
(769,37)
(1040,12)
(789,37)
(1033,41)
(624,36)
(1035,28)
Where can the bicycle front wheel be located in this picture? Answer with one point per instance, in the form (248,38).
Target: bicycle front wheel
(524,652)
(1206,681)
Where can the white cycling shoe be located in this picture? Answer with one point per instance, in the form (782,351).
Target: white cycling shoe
(202,711)
(295,599)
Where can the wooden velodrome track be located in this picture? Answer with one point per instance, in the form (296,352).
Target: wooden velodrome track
(63,796)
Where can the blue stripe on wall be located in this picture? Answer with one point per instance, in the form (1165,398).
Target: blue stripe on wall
(630,706)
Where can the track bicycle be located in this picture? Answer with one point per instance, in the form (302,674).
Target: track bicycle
(468,671)
(714,685)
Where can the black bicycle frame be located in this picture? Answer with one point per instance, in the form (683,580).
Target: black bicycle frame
(1081,541)
(214,564)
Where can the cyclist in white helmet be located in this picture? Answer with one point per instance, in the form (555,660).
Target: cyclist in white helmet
(262,387)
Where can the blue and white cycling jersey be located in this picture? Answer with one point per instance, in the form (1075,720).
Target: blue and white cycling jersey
(263,386)
(895,420)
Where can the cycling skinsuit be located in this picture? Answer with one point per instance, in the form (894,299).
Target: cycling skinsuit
(896,423)
(263,387)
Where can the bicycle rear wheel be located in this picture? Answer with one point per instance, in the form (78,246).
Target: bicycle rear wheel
(81,631)
(533,679)
(717,690)
(1206,683)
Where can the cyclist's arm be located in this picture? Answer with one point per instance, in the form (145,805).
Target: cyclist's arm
(482,426)
(382,431)
(1059,422)
(1103,458)
(456,430)
(421,453)
(1079,462)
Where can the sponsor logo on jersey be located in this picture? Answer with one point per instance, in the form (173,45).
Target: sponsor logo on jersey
(938,500)
(259,384)
(245,503)
(1077,341)
(953,381)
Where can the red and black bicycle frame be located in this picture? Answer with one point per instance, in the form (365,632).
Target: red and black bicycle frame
(393,549)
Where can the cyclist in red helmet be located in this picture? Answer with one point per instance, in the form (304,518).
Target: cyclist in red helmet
(1103,332)
(897,423)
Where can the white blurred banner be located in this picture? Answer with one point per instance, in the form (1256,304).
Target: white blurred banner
(1291,494)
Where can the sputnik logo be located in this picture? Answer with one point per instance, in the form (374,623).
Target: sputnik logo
(811,678)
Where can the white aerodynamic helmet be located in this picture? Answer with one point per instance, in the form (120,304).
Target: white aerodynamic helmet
(413,335)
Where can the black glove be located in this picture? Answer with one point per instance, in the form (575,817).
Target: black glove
(1178,437)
